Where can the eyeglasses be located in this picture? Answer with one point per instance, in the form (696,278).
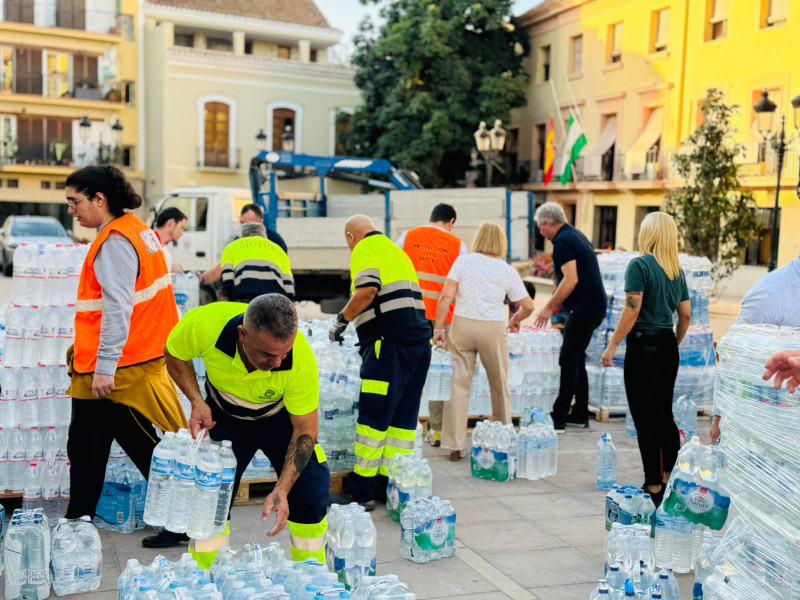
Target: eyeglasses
(73,203)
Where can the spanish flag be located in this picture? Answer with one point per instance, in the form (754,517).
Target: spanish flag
(549,153)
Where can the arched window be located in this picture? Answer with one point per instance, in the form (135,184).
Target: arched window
(282,118)
(280,114)
(216,131)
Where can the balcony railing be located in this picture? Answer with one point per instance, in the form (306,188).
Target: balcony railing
(218,158)
(67,14)
(763,162)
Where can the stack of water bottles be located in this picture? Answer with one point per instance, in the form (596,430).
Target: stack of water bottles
(540,369)
(629,505)
(759,465)
(638,582)
(26,556)
(537,445)
(186,288)
(494,451)
(410,478)
(350,543)
(440,375)
(43,466)
(76,557)
(191,485)
(121,504)
(428,530)
(259,467)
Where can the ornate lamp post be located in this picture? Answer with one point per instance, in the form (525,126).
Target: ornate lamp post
(490,143)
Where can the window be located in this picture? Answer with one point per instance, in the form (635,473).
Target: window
(128,93)
(8,138)
(575,54)
(313,55)
(61,185)
(641,213)
(195,208)
(45,185)
(215,146)
(773,12)
(344,123)
(614,43)
(659,30)
(12,183)
(284,52)
(544,64)
(184,39)
(57,73)
(540,139)
(7,70)
(84,72)
(219,44)
(248,46)
(605,226)
(281,119)
(28,71)
(757,252)
(19,11)
(716,19)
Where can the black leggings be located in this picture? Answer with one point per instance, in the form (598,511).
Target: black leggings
(651,366)
(95,424)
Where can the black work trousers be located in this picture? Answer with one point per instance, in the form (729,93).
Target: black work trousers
(578,330)
(651,366)
(94,426)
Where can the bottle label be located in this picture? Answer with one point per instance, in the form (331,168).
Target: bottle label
(438,532)
(183,471)
(37,576)
(114,506)
(161,465)
(331,414)
(485,458)
(207,479)
(229,475)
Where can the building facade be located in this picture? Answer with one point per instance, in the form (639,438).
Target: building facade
(218,76)
(633,73)
(68,97)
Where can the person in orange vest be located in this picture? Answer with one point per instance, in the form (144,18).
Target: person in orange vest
(433,250)
(124,312)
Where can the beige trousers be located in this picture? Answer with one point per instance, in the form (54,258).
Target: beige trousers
(470,338)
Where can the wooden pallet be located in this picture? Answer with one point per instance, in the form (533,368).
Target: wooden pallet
(253,491)
(604,414)
(472,420)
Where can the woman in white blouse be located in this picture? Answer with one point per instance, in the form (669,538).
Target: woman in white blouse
(483,281)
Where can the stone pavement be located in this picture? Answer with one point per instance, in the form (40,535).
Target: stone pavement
(522,540)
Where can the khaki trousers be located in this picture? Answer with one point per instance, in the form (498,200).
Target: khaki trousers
(470,338)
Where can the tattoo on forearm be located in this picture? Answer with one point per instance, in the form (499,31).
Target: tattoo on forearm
(299,453)
(632,300)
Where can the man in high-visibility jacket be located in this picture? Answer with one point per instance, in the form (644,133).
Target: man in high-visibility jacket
(254,265)
(262,393)
(433,250)
(394,342)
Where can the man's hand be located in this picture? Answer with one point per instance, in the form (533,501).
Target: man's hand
(607,359)
(337,329)
(102,385)
(201,418)
(542,318)
(177,268)
(278,502)
(785,366)
(715,429)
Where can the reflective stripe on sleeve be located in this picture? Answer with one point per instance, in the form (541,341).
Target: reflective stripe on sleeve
(144,295)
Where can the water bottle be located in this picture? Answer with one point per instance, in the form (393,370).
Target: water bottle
(605,463)
(34,445)
(16,459)
(24,258)
(203,506)
(63,566)
(516,357)
(51,481)
(45,395)
(4,472)
(58,272)
(226,486)
(27,399)
(182,482)
(66,331)
(31,336)
(12,349)
(601,591)
(630,426)
(8,398)
(522,453)
(39,292)
(62,400)
(703,566)
(32,487)
(668,585)
(64,490)
(50,346)
(89,553)
(158,484)
(365,547)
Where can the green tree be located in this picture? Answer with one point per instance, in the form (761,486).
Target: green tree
(428,76)
(715,217)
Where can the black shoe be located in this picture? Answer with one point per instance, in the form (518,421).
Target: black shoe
(656,497)
(165,539)
(578,423)
(559,427)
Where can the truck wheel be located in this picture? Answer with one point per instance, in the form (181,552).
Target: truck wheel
(207,295)
(333,305)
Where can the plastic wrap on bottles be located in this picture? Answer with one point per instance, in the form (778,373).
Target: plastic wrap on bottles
(494,451)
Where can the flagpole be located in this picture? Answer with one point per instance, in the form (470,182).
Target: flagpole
(575,108)
(561,122)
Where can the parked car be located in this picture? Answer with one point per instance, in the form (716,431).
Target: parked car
(30,229)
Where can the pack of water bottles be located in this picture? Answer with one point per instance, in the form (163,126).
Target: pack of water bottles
(161,578)
(428,530)
(440,375)
(259,467)
(26,556)
(350,543)
(47,274)
(191,485)
(186,288)
(537,445)
(629,505)
(410,478)
(76,557)
(121,504)
(494,451)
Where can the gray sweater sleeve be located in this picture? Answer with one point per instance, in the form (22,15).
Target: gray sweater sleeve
(116,267)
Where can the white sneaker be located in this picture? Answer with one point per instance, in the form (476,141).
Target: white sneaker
(434,438)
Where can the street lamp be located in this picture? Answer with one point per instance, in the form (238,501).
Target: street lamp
(765,111)
(490,144)
(116,133)
(85,128)
(261,141)
(287,140)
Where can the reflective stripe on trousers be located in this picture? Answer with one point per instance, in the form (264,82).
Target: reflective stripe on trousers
(308,540)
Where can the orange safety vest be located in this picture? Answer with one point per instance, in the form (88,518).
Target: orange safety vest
(433,251)
(154,310)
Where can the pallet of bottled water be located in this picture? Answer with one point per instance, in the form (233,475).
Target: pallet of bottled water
(537,445)
(26,556)
(628,505)
(121,504)
(428,530)
(259,467)
(190,486)
(19,449)
(76,557)
(494,451)
(409,478)
(350,543)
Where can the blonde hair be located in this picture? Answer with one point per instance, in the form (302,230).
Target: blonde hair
(489,239)
(658,236)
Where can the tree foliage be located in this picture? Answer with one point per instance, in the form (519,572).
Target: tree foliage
(428,76)
(714,216)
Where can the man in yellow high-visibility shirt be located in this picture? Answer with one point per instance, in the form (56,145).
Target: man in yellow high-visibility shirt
(395,345)
(263,393)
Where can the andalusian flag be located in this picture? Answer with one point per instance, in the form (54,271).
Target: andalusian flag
(572,148)
(549,153)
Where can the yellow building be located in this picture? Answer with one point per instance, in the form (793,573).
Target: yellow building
(633,73)
(217,77)
(65,63)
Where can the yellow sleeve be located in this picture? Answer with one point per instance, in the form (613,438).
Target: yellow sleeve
(302,394)
(189,339)
(364,266)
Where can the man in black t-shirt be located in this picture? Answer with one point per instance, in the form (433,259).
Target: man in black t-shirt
(580,291)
